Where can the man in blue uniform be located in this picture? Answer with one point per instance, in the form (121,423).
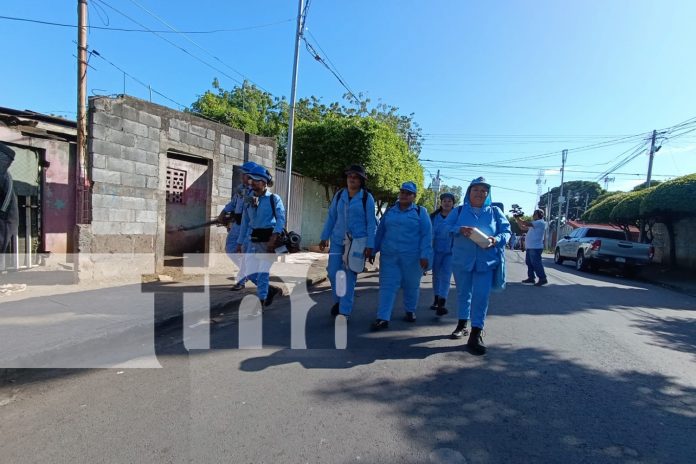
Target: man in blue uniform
(264,220)
(404,240)
(235,208)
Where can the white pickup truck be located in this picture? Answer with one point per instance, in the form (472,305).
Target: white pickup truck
(594,247)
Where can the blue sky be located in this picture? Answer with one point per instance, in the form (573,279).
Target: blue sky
(506,83)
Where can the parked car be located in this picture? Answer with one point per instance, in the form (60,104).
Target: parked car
(594,247)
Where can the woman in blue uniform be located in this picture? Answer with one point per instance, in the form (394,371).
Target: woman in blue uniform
(404,240)
(442,253)
(480,232)
(351,220)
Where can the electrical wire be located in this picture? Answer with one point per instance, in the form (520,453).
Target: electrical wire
(99,55)
(119,29)
(196,44)
(197,58)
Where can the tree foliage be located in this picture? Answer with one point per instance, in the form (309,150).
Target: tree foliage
(644,185)
(600,212)
(627,209)
(324,148)
(671,199)
(328,137)
(580,192)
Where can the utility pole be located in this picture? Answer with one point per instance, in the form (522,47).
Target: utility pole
(293,94)
(650,162)
(81,111)
(436,188)
(548,215)
(564,157)
(567,203)
(641,235)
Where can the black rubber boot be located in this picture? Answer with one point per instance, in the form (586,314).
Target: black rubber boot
(461,330)
(475,343)
(434,305)
(441,310)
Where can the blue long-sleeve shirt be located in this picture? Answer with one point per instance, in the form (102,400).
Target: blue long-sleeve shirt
(261,216)
(348,215)
(442,239)
(239,194)
(405,232)
(465,252)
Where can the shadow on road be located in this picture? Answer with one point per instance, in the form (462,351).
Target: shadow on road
(529,406)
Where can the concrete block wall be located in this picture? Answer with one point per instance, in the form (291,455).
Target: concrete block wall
(128,143)
(685,245)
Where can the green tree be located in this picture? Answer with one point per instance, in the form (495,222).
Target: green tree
(669,202)
(626,212)
(324,148)
(600,212)
(247,108)
(644,185)
(581,194)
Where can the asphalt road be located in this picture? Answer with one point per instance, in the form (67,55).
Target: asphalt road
(592,368)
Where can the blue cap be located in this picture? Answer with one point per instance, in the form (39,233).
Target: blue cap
(248,166)
(480,181)
(259,173)
(409,186)
(447,195)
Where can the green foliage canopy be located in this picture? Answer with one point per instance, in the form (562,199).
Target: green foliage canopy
(324,148)
(581,193)
(601,211)
(672,199)
(627,209)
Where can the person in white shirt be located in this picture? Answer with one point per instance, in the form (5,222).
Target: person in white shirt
(534,243)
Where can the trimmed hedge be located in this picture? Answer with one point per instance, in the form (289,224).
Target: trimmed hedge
(599,213)
(674,198)
(627,210)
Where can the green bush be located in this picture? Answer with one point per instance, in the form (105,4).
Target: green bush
(676,197)
(627,210)
(601,211)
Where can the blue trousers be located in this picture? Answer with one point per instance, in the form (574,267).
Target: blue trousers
(533,261)
(258,263)
(442,273)
(473,292)
(237,259)
(335,264)
(395,272)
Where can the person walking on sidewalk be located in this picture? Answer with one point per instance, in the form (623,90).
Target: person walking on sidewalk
(264,220)
(535,229)
(404,239)
(442,254)
(234,209)
(350,226)
(480,232)
(9,212)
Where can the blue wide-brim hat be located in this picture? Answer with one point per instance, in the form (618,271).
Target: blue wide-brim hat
(409,187)
(248,166)
(260,173)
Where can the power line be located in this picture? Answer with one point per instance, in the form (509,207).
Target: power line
(318,58)
(172,43)
(119,29)
(193,42)
(147,86)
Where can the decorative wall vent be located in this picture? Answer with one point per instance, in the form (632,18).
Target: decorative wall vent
(176,184)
